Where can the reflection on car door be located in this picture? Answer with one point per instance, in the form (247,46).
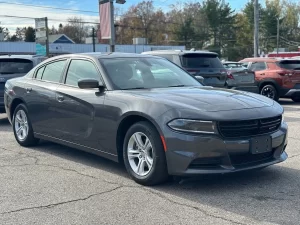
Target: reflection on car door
(76,107)
(40,97)
(260,69)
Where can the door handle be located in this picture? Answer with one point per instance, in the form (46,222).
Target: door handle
(262,74)
(28,90)
(60,98)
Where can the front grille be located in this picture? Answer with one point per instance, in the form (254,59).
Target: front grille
(248,128)
(206,163)
(237,160)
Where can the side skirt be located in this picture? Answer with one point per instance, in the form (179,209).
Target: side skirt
(77,146)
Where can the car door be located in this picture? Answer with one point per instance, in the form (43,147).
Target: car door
(76,108)
(40,96)
(260,69)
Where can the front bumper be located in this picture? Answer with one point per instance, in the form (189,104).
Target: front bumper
(199,154)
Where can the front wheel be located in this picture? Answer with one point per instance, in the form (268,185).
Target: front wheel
(144,155)
(296,99)
(22,127)
(269,91)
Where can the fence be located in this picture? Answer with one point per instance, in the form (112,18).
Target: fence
(30,48)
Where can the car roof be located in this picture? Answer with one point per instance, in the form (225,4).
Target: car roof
(20,56)
(266,59)
(99,55)
(179,52)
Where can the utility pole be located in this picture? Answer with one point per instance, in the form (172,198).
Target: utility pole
(278,26)
(112,27)
(47,37)
(94,44)
(256,28)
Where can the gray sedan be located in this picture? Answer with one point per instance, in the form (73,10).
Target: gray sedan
(146,112)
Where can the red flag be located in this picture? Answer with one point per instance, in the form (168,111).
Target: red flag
(105,25)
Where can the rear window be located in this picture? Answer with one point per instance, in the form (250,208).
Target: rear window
(234,66)
(289,64)
(201,61)
(15,66)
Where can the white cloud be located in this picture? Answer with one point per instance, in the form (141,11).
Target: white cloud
(55,17)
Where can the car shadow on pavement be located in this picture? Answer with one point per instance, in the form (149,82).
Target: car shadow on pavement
(269,195)
(81,157)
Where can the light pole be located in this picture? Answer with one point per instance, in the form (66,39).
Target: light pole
(256,28)
(112,21)
(278,26)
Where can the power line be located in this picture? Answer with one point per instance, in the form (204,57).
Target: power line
(58,20)
(48,7)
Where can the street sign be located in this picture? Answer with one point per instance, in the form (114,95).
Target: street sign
(40,23)
(40,49)
(41,34)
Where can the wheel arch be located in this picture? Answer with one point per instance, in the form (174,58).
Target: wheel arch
(125,123)
(14,104)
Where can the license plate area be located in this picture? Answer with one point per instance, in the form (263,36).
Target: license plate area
(261,145)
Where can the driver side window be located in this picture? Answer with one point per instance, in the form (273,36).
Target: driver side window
(80,69)
(257,66)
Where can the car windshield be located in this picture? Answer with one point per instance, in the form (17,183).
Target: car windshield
(201,61)
(289,64)
(143,73)
(15,66)
(234,66)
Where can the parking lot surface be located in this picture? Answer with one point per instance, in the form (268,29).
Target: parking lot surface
(53,184)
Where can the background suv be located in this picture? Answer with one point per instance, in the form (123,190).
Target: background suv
(276,77)
(12,66)
(207,65)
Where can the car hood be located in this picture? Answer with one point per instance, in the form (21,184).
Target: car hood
(205,98)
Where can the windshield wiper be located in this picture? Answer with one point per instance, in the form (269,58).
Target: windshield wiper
(179,85)
(135,88)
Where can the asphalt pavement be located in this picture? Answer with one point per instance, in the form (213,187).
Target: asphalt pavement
(53,184)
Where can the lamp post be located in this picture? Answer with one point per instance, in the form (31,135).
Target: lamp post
(112,21)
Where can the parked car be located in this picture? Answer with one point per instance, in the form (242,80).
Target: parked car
(12,66)
(240,78)
(147,112)
(205,64)
(277,78)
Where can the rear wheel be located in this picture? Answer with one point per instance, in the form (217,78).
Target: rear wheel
(144,156)
(269,91)
(296,99)
(22,127)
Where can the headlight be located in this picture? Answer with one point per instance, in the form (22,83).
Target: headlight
(282,118)
(193,126)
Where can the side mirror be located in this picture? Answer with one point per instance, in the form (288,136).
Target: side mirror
(89,83)
(200,79)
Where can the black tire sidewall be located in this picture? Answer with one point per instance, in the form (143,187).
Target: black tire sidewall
(159,170)
(30,140)
(276,97)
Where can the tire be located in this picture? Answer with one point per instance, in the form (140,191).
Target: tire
(146,175)
(296,99)
(269,91)
(23,130)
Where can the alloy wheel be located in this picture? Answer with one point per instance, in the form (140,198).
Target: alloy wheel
(140,154)
(268,92)
(21,125)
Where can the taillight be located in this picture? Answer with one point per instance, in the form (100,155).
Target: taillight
(229,75)
(285,73)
